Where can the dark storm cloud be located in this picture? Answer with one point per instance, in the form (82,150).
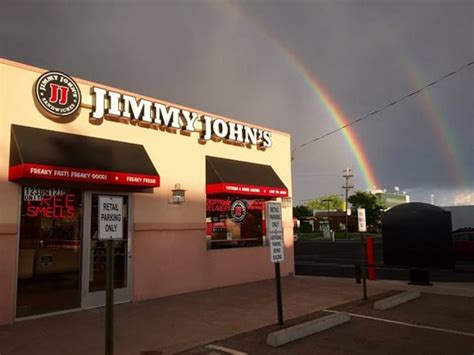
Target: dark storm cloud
(222,57)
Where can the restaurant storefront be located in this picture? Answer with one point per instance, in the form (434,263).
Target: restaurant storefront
(193,186)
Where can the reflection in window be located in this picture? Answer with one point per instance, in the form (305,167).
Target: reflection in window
(49,260)
(234,223)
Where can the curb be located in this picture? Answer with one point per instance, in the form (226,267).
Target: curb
(298,331)
(396,300)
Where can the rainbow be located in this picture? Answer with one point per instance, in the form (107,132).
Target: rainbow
(452,156)
(336,114)
(334,111)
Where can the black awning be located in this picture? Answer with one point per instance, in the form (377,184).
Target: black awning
(56,156)
(226,176)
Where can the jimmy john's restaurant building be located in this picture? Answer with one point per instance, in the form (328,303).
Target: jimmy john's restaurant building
(193,187)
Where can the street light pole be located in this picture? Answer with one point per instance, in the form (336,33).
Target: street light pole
(347,175)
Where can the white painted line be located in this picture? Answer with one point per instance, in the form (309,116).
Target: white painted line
(227,350)
(404,323)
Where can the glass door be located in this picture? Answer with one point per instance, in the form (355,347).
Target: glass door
(94,254)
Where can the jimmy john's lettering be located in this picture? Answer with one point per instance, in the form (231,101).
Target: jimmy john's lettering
(110,103)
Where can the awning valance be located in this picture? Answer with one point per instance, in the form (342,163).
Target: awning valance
(56,156)
(226,176)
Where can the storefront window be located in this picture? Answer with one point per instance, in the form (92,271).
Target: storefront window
(49,261)
(235,223)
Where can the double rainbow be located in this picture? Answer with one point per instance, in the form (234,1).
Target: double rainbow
(334,111)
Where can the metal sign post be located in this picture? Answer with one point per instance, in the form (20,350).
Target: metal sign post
(110,229)
(275,236)
(363,267)
(109,300)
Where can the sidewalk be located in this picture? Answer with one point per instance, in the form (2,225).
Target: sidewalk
(177,323)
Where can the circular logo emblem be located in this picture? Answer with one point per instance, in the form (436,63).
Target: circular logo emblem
(58,94)
(238,210)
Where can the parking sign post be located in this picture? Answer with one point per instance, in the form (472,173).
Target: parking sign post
(109,300)
(277,247)
(278,294)
(110,229)
(363,267)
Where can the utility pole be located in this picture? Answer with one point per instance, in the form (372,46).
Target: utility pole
(347,175)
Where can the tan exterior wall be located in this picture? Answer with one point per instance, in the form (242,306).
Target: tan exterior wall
(169,246)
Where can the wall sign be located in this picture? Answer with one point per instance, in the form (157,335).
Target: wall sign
(49,172)
(238,210)
(275,231)
(57,94)
(115,104)
(110,217)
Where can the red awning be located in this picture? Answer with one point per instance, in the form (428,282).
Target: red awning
(226,176)
(37,154)
(243,189)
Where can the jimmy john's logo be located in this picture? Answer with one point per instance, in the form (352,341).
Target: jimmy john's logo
(238,210)
(58,94)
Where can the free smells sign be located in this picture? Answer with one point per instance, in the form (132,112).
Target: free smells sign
(110,217)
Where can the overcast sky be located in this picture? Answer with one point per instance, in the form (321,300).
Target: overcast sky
(234,59)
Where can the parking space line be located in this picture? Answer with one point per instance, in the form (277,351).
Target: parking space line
(403,323)
(226,350)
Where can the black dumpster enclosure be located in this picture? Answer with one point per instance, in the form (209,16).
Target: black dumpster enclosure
(417,235)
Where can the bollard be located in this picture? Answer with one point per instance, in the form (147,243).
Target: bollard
(370,252)
(358,273)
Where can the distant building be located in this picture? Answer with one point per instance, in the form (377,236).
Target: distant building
(337,220)
(391,199)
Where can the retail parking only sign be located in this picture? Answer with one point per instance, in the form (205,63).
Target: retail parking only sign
(110,217)
(275,231)
(361,219)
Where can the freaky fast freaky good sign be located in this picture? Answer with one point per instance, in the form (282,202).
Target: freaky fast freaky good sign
(110,217)
(275,231)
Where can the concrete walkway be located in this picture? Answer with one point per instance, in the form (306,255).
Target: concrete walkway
(177,323)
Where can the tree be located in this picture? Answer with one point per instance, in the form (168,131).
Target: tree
(373,207)
(331,202)
(301,211)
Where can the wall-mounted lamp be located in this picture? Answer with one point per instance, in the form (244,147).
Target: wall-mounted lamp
(285,202)
(177,194)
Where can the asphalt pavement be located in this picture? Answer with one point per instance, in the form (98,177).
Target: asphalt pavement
(432,324)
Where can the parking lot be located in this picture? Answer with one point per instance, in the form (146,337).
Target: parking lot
(432,324)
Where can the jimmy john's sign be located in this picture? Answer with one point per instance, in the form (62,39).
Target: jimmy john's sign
(111,103)
(60,96)
(57,94)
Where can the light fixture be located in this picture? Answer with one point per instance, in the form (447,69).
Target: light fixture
(285,202)
(177,194)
